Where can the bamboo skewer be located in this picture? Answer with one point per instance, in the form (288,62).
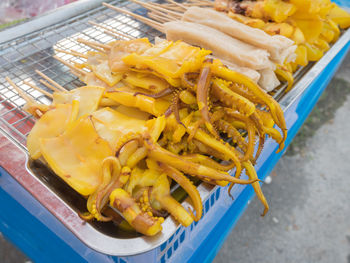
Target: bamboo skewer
(95,45)
(196,4)
(145,20)
(80,71)
(20,92)
(111,31)
(169,7)
(76,74)
(164,14)
(49,86)
(23,95)
(72,52)
(150,6)
(58,86)
(177,4)
(158,18)
(48,94)
(204,2)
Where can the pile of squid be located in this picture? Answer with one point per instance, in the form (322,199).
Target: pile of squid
(151,114)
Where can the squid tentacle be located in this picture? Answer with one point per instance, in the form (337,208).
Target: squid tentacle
(267,130)
(159,154)
(127,150)
(136,157)
(125,139)
(111,172)
(275,109)
(231,99)
(205,160)
(232,132)
(256,185)
(260,148)
(219,146)
(188,186)
(142,222)
(175,107)
(204,82)
(202,148)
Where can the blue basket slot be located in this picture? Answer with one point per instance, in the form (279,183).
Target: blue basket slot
(207,205)
(163,246)
(170,239)
(162,260)
(217,194)
(169,252)
(176,245)
(182,237)
(212,199)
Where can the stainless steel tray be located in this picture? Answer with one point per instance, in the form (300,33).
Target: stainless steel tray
(33,49)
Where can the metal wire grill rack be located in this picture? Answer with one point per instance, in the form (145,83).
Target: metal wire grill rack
(20,58)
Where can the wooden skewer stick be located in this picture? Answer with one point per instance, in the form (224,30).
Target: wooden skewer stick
(111,34)
(177,4)
(150,6)
(112,31)
(188,5)
(49,85)
(95,45)
(163,14)
(145,20)
(48,94)
(72,52)
(207,2)
(80,71)
(20,92)
(76,74)
(159,18)
(58,86)
(169,7)
(202,2)
(24,96)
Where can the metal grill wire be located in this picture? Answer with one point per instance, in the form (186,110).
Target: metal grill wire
(20,58)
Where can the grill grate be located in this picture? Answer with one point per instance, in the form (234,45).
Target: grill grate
(20,58)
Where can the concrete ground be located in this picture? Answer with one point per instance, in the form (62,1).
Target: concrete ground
(309,196)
